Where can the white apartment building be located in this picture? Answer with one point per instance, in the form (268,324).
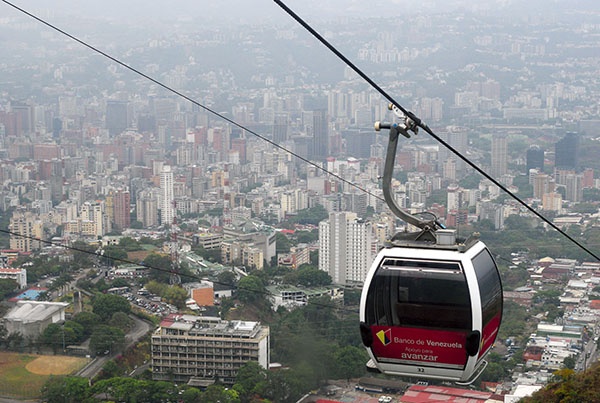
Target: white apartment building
(18,275)
(167,196)
(346,247)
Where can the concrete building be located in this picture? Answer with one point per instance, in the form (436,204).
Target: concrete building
(121,209)
(18,275)
(499,155)
(29,226)
(346,247)
(291,297)
(202,293)
(297,256)
(208,240)
(253,234)
(167,196)
(31,318)
(566,152)
(197,350)
(147,208)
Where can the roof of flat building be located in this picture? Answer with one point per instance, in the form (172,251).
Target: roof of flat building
(210,326)
(34,311)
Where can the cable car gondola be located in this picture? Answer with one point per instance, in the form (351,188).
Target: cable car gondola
(431,306)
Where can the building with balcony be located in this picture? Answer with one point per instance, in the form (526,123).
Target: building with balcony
(18,275)
(198,350)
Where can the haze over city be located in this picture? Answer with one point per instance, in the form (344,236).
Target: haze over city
(183,226)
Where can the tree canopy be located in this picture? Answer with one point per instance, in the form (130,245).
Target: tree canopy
(105,305)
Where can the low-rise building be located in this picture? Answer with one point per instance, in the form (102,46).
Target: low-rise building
(202,293)
(291,297)
(198,350)
(31,318)
(18,275)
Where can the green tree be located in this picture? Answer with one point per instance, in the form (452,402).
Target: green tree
(226,279)
(351,297)
(307,237)
(470,181)
(105,305)
(75,332)
(251,289)
(176,295)
(350,362)
(124,389)
(106,339)
(310,276)
(129,244)
(110,370)
(121,321)
(120,282)
(52,337)
(114,255)
(278,388)
(311,216)
(569,362)
(191,395)
(282,243)
(251,380)
(7,287)
(160,267)
(82,251)
(88,320)
(65,390)
(218,393)
(156,288)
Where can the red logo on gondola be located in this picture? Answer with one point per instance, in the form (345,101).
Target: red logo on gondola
(385,336)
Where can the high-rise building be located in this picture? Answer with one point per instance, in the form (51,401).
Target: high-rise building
(197,349)
(320,144)
(566,152)
(147,208)
(116,117)
(541,185)
(454,197)
(239,145)
(346,247)
(121,209)
(94,219)
(535,158)
(552,202)
(574,188)
(167,199)
(499,155)
(359,142)
(280,127)
(588,178)
(456,137)
(28,225)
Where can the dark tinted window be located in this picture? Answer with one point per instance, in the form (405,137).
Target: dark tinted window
(416,293)
(490,287)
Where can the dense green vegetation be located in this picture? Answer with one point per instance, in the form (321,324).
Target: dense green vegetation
(568,386)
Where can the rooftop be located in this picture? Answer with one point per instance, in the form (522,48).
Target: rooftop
(201,325)
(34,311)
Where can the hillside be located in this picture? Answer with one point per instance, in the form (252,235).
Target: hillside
(570,387)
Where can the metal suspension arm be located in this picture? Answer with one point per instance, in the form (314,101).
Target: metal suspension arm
(394,130)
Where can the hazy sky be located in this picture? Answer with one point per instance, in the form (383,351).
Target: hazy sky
(248,11)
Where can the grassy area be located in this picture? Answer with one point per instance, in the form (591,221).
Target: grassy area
(23,375)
